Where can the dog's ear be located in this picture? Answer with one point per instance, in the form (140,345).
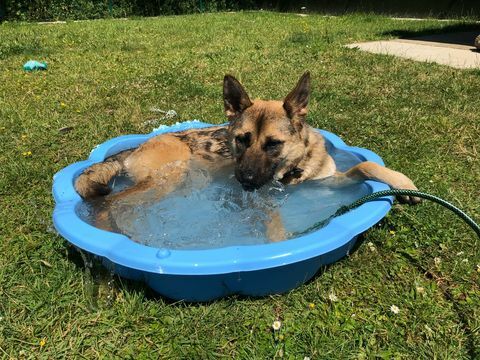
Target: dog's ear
(295,104)
(235,98)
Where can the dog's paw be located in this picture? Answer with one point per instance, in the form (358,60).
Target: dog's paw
(295,181)
(409,200)
(406,199)
(102,220)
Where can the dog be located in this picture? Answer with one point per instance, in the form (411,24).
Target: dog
(264,140)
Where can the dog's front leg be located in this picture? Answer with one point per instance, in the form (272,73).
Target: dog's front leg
(369,170)
(275,228)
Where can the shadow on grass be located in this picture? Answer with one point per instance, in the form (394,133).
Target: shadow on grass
(32,48)
(458,34)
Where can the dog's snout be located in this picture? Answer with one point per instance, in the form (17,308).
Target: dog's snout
(253,170)
(248,179)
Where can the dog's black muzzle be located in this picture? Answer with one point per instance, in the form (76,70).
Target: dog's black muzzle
(249,180)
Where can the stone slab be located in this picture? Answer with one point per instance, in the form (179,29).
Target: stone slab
(456,49)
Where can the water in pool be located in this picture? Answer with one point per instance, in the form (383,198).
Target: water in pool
(210,210)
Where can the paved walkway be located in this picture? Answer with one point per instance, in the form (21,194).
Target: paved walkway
(454,49)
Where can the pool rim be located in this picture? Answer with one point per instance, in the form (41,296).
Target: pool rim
(119,249)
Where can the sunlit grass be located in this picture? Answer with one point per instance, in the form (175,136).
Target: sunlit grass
(103,78)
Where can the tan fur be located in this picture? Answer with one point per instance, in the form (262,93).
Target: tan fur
(265,140)
(153,158)
(373,171)
(275,229)
(94,181)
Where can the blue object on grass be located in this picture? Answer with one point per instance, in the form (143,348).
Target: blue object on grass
(203,275)
(32,65)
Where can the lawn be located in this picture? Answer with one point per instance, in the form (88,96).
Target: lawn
(103,78)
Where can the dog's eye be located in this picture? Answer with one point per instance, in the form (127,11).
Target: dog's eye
(273,145)
(243,141)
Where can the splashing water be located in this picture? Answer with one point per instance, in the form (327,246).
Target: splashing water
(210,210)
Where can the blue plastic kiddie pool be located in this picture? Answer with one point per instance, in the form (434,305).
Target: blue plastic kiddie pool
(203,275)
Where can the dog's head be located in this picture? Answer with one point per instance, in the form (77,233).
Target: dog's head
(268,138)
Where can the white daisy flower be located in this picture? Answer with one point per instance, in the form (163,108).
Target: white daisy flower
(394,309)
(333,297)
(276,325)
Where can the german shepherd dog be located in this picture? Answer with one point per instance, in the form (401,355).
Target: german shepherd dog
(264,141)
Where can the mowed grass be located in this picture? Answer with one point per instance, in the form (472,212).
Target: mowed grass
(104,76)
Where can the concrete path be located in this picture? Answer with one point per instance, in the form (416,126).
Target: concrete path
(454,49)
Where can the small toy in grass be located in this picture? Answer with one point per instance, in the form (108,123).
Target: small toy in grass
(32,65)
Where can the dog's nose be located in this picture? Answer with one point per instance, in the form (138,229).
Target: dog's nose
(247,182)
(248,178)
(247,175)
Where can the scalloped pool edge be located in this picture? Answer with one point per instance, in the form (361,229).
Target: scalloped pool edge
(225,270)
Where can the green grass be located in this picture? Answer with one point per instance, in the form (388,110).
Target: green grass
(103,77)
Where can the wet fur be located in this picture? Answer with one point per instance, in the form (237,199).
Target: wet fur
(264,140)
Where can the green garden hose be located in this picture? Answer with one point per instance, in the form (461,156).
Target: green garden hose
(395,192)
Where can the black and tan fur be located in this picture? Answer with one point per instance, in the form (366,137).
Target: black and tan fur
(264,140)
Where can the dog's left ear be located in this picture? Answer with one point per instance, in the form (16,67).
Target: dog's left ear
(235,98)
(295,104)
